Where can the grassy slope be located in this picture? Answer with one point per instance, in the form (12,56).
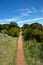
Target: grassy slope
(8,48)
(32,52)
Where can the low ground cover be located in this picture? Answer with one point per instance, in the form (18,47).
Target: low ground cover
(8,48)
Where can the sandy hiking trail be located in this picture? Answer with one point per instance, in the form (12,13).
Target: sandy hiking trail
(20,54)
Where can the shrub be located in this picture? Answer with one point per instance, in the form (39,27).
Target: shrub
(13,32)
(27,34)
(41,38)
(4,31)
(1,27)
(41,55)
(37,34)
(33,31)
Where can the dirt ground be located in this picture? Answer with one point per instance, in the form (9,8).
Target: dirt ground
(20,54)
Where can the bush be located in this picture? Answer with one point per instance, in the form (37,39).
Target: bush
(11,29)
(27,34)
(41,38)
(1,27)
(33,31)
(4,31)
(37,34)
(13,32)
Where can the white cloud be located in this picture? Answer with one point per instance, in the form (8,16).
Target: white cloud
(8,20)
(25,12)
(30,20)
(13,19)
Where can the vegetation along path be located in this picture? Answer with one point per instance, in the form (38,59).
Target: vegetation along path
(20,55)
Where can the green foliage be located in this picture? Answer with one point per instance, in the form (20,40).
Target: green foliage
(41,56)
(32,52)
(25,26)
(13,24)
(4,31)
(6,26)
(27,34)
(1,27)
(37,34)
(11,29)
(41,37)
(36,26)
(13,32)
(33,31)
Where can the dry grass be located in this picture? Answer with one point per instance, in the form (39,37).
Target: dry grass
(32,52)
(8,48)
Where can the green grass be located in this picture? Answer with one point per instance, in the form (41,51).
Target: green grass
(8,50)
(32,52)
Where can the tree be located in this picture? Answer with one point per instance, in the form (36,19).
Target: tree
(27,33)
(13,32)
(13,24)
(1,27)
(36,26)
(25,26)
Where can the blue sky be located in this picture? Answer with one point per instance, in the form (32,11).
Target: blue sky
(21,11)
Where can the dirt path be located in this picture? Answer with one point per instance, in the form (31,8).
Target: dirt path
(20,55)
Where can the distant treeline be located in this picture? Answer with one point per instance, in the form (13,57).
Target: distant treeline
(11,29)
(33,31)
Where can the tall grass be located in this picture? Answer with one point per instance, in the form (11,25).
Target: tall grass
(32,52)
(8,48)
